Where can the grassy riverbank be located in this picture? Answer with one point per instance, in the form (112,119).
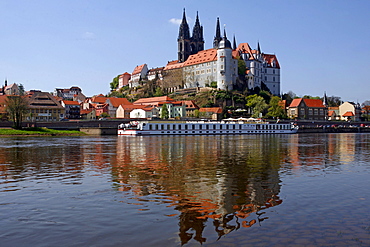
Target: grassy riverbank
(39,132)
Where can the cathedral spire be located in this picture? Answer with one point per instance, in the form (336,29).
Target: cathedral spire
(217,38)
(184,28)
(234,43)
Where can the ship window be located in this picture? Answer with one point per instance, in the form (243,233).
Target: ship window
(200,126)
(150,127)
(179,127)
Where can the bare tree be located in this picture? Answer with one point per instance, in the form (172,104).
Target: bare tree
(17,107)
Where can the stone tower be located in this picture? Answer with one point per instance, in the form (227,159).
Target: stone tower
(225,68)
(189,45)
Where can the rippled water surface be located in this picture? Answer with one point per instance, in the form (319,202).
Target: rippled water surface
(267,190)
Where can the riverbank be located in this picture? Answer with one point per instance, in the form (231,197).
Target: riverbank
(39,132)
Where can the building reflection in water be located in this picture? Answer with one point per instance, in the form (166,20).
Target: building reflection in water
(229,180)
(223,182)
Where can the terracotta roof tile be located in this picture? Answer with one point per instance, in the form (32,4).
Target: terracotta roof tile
(348,114)
(138,69)
(211,109)
(119,101)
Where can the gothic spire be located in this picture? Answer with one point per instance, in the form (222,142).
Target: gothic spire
(197,30)
(234,43)
(217,38)
(259,48)
(184,32)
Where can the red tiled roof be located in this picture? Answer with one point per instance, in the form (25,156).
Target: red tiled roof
(348,114)
(308,102)
(70,102)
(331,113)
(245,48)
(202,57)
(119,101)
(190,104)
(138,69)
(173,65)
(269,58)
(211,109)
(153,100)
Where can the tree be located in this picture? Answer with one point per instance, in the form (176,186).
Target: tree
(17,107)
(164,112)
(241,67)
(275,108)
(334,101)
(114,83)
(21,89)
(257,104)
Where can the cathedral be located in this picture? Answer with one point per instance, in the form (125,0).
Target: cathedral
(197,67)
(220,64)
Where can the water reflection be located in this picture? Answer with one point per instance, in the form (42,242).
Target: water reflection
(221,182)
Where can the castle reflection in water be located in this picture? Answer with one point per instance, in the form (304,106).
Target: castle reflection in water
(224,182)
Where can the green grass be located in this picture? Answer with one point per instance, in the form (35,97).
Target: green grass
(39,132)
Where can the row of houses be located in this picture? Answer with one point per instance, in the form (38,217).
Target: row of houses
(316,109)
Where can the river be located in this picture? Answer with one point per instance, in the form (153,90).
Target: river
(242,190)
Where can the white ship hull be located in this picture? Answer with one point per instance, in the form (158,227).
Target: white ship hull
(204,128)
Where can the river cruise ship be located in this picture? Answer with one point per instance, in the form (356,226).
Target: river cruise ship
(224,127)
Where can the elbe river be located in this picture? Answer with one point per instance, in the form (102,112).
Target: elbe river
(240,190)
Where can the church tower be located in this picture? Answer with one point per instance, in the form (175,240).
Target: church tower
(183,40)
(217,38)
(225,65)
(189,45)
(197,41)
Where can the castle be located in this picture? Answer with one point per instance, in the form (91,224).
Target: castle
(196,67)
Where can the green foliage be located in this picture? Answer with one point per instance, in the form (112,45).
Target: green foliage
(222,94)
(158,92)
(241,67)
(164,112)
(265,95)
(214,84)
(196,113)
(275,110)
(21,89)
(17,107)
(257,104)
(114,83)
(39,131)
(116,94)
(104,115)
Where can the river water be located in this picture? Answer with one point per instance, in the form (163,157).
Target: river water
(248,190)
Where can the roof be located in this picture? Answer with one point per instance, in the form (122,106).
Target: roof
(202,57)
(153,100)
(138,69)
(245,48)
(70,102)
(99,99)
(308,102)
(211,109)
(269,58)
(190,104)
(331,113)
(119,101)
(173,65)
(348,114)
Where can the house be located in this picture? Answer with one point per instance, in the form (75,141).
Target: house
(68,93)
(44,107)
(190,108)
(139,73)
(176,109)
(333,113)
(310,109)
(72,109)
(123,80)
(11,89)
(156,73)
(349,111)
(124,111)
(101,108)
(114,103)
(88,114)
(144,112)
(214,113)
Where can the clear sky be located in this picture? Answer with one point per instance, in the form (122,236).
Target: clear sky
(321,45)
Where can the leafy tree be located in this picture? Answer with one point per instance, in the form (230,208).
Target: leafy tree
(275,109)
(104,115)
(214,84)
(164,112)
(266,95)
(21,89)
(114,83)
(257,104)
(334,101)
(158,92)
(241,67)
(17,107)
(196,113)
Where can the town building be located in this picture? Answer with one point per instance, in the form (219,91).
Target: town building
(214,113)
(124,79)
(139,73)
(72,109)
(68,93)
(350,111)
(310,109)
(11,89)
(43,107)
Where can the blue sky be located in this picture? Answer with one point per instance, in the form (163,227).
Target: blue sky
(321,45)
